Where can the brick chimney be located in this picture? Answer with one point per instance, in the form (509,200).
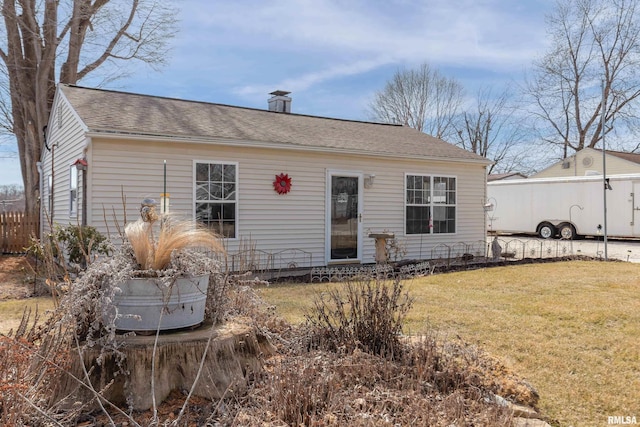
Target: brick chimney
(280,102)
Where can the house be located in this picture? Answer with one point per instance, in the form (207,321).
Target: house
(295,189)
(588,161)
(505,176)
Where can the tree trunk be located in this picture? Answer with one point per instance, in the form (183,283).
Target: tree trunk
(234,354)
(32,41)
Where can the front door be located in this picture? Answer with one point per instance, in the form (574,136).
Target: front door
(344,217)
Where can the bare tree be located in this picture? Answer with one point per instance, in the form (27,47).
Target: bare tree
(85,35)
(422,99)
(595,48)
(11,198)
(492,130)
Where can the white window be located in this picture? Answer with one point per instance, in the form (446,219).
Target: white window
(73,191)
(216,196)
(430,204)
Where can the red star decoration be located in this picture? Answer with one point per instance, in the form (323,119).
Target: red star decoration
(282,184)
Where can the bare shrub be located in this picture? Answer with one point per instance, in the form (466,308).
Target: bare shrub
(70,248)
(65,253)
(367,314)
(14,363)
(28,366)
(349,365)
(360,389)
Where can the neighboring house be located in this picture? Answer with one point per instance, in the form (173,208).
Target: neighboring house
(348,178)
(505,176)
(588,161)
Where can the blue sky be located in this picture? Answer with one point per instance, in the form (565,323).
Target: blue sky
(333,55)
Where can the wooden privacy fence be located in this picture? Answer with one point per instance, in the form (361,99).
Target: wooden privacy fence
(16,229)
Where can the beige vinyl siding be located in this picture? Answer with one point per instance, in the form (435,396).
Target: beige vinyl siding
(618,166)
(270,221)
(576,165)
(66,138)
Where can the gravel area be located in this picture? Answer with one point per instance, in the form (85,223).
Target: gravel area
(628,250)
(624,250)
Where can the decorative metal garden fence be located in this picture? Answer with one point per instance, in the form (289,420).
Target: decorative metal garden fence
(515,248)
(442,256)
(456,255)
(259,261)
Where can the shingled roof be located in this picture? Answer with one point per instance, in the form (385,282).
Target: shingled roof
(631,157)
(106,111)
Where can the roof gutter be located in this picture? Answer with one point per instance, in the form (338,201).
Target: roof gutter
(271,145)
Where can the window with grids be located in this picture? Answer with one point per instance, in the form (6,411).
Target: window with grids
(216,197)
(430,204)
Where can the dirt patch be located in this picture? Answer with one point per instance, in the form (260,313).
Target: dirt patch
(16,277)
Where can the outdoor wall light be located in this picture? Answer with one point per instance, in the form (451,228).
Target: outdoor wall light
(368,180)
(164,203)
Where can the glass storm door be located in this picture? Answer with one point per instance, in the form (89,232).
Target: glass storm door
(344,217)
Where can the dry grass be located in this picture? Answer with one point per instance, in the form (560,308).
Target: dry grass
(572,328)
(11,311)
(174,235)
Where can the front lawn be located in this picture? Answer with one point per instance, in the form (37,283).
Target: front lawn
(11,311)
(571,328)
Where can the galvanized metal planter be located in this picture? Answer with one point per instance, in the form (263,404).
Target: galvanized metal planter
(145,303)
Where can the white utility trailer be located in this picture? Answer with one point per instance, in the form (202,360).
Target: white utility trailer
(565,207)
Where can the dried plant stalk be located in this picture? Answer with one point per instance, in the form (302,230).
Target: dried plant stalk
(139,234)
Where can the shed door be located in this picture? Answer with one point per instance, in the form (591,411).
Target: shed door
(344,217)
(635,209)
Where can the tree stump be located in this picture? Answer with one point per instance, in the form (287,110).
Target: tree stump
(235,351)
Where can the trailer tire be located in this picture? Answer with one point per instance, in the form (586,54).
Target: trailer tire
(546,230)
(567,232)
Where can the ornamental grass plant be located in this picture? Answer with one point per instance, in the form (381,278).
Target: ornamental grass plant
(174,236)
(161,247)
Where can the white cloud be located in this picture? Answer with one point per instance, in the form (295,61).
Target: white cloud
(255,47)
(439,31)
(305,81)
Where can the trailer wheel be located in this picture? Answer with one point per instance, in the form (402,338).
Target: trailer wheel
(567,232)
(546,230)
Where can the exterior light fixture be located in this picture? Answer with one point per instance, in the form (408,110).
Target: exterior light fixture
(164,203)
(368,180)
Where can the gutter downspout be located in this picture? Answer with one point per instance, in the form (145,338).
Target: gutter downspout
(53,185)
(85,179)
(40,189)
(84,196)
